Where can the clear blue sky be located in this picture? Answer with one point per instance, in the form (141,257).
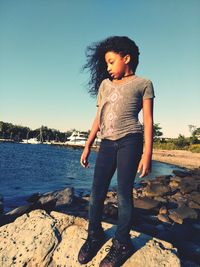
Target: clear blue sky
(42,49)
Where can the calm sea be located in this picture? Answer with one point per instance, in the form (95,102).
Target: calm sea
(26,169)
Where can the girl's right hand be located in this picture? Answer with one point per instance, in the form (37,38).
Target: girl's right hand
(84,157)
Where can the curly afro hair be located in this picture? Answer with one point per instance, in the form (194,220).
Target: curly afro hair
(96,64)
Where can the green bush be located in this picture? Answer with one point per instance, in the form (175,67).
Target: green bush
(164,146)
(195,148)
(181,142)
(194,140)
(171,146)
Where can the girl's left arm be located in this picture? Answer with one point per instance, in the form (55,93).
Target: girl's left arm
(145,163)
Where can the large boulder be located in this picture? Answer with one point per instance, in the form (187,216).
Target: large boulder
(163,218)
(60,197)
(178,215)
(188,185)
(179,198)
(152,190)
(29,241)
(40,239)
(195,197)
(152,255)
(57,200)
(181,173)
(34,197)
(193,205)
(145,203)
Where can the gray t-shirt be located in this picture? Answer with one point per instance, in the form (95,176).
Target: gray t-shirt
(119,105)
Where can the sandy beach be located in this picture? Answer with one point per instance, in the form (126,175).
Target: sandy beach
(180,158)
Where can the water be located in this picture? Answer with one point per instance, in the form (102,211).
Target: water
(26,169)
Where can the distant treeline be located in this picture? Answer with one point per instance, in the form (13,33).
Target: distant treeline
(17,133)
(191,143)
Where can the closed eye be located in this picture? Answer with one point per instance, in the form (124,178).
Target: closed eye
(110,62)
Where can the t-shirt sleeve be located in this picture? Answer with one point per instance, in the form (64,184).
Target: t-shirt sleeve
(148,91)
(98,99)
(99,95)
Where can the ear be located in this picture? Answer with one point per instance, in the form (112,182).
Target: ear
(127,59)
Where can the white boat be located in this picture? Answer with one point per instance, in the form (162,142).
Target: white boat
(79,139)
(76,139)
(35,140)
(31,141)
(97,142)
(47,143)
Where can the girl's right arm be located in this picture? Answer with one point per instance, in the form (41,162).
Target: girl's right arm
(89,142)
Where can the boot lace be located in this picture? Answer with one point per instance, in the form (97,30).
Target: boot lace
(113,252)
(89,242)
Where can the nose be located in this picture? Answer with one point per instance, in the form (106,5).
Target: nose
(108,68)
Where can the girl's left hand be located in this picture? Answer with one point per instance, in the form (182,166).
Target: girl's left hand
(145,165)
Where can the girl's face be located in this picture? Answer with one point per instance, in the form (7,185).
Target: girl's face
(117,65)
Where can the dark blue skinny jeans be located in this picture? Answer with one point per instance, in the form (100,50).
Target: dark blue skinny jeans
(123,154)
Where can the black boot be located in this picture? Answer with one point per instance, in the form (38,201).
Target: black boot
(91,246)
(118,254)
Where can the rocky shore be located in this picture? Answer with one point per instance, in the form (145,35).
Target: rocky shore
(42,239)
(48,231)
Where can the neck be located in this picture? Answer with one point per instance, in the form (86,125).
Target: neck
(126,75)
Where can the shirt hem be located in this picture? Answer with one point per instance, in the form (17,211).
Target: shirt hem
(116,137)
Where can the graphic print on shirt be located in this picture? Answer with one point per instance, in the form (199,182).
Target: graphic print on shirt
(111,116)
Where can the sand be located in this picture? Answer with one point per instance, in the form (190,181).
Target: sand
(180,158)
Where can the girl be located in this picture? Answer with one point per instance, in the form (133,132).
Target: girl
(120,97)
